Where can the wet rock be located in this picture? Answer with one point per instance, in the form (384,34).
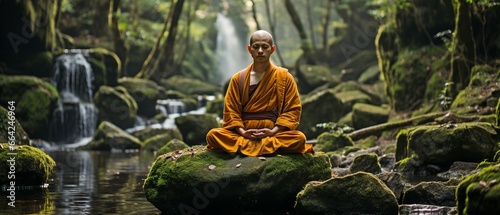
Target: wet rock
(358,193)
(198,181)
(479,193)
(35,100)
(458,170)
(366,163)
(320,107)
(144,92)
(20,136)
(116,106)
(171,146)
(32,167)
(410,209)
(329,141)
(441,145)
(393,180)
(194,127)
(109,136)
(431,193)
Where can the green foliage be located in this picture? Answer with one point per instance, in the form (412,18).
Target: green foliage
(445,97)
(386,9)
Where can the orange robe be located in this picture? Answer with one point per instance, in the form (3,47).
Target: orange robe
(266,97)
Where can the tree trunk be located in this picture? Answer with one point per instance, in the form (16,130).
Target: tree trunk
(326,22)
(100,18)
(272,22)
(311,24)
(306,47)
(120,48)
(190,17)
(254,15)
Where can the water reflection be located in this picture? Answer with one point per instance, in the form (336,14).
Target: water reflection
(86,182)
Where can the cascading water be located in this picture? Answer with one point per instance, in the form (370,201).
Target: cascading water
(231,52)
(76,117)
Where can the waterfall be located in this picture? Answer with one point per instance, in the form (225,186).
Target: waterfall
(76,117)
(231,52)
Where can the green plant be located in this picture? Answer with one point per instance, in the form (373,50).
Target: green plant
(335,128)
(445,97)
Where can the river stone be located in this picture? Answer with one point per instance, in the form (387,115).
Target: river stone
(32,166)
(194,127)
(116,105)
(431,193)
(172,145)
(480,193)
(12,125)
(442,145)
(195,180)
(144,92)
(330,141)
(35,100)
(358,193)
(366,163)
(109,136)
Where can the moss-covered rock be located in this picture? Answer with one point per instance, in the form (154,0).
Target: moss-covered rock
(35,100)
(38,64)
(156,142)
(479,193)
(358,193)
(106,66)
(366,163)
(216,106)
(350,98)
(197,181)
(441,145)
(431,193)
(190,86)
(482,89)
(194,127)
(109,136)
(320,107)
(150,131)
(10,128)
(116,106)
(365,115)
(145,93)
(172,145)
(313,76)
(329,141)
(30,166)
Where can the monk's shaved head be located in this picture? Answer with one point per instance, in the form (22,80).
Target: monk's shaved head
(261,34)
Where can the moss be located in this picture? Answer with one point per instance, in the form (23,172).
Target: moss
(190,86)
(33,166)
(156,142)
(479,193)
(172,145)
(328,141)
(20,136)
(216,106)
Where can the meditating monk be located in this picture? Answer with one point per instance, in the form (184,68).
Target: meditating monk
(261,108)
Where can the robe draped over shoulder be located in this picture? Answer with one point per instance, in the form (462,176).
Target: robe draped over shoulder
(276,93)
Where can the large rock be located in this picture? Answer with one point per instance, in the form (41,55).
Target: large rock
(10,128)
(194,127)
(331,141)
(172,146)
(358,193)
(35,100)
(317,108)
(106,66)
(190,86)
(213,182)
(365,115)
(480,193)
(145,93)
(109,136)
(116,106)
(441,145)
(24,165)
(431,193)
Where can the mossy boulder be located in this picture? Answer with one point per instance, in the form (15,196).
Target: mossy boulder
(109,136)
(216,106)
(313,76)
(190,86)
(358,193)
(321,107)
(116,106)
(482,89)
(366,163)
(479,193)
(194,127)
(330,141)
(32,166)
(431,193)
(150,131)
(350,98)
(156,142)
(171,146)
(365,115)
(38,64)
(441,145)
(13,126)
(197,181)
(35,100)
(106,66)
(145,93)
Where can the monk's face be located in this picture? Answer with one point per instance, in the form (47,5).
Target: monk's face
(261,48)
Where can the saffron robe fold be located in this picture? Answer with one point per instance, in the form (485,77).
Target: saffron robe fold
(277,91)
